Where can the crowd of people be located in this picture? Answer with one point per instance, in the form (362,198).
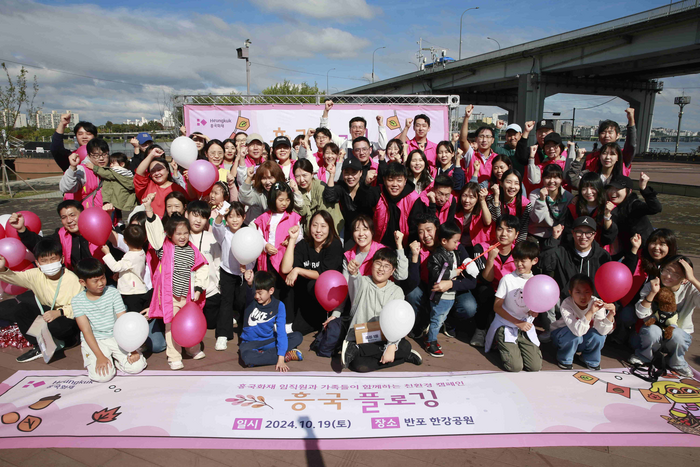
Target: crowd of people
(455,228)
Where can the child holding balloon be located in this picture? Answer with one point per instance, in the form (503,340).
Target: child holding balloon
(512,328)
(584,323)
(96,310)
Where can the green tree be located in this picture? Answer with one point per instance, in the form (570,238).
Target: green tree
(287,88)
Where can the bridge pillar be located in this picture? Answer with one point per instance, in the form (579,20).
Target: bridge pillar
(643,104)
(531,95)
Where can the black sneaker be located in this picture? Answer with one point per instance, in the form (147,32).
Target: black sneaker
(426,344)
(433,350)
(565,366)
(350,351)
(33,354)
(586,364)
(415,358)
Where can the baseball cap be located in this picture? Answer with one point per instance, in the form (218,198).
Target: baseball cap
(144,137)
(515,127)
(281,140)
(553,138)
(352,164)
(619,182)
(547,124)
(254,137)
(585,221)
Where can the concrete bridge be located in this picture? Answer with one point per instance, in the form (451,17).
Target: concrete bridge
(625,57)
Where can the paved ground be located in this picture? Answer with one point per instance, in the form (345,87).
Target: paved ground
(680,213)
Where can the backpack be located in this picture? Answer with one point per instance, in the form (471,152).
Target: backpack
(652,371)
(329,340)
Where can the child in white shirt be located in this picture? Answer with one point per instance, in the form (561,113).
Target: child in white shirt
(584,323)
(131,284)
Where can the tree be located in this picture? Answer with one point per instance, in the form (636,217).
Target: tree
(287,88)
(12,98)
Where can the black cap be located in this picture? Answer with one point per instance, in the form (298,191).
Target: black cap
(549,124)
(585,221)
(352,164)
(553,138)
(619,182)
(281,140)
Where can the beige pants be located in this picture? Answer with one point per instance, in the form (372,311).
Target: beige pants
(117,356)
(172,350)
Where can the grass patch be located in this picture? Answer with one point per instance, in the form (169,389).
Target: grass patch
(24,194)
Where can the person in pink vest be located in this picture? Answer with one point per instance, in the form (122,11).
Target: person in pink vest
(75,246)
(81,184)
(609,132)
(182,276)
(440,199)
(274,225)
(153,176)
(395,204)
(421,127)
(478,167)
(474,217)
(508,198)
(416,286)
(555,153)
(362,151)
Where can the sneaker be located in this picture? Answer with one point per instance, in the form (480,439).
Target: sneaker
(33,354)
(565,366)
(293,355)
(426,344)
(433,350)
(415,358)
(586,364)
(634,360)
(545,337)
(350,351)
(196,356)
(448,331)
(221,343)
(683,372)
(176,365)
(479,338)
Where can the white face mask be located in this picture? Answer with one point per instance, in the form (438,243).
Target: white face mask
(51,269)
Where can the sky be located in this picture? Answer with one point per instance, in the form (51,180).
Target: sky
(110,62)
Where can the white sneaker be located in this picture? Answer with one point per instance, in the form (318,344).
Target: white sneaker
(221,343)
(634,360)
(196,356)
(479,338)
(176,365)
(683,372)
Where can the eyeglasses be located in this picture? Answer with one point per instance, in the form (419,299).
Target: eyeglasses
(583,233)
(382,266)
(671,274)
(100,157)
(362,150)
(484,137)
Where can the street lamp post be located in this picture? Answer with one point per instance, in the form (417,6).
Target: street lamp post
(417,67)
(497,43)
(243,54)
(327,88)
(460,29)
(375,51)
(681,102)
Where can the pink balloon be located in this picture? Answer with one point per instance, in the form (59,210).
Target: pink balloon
(15,289)
(13,250)
(95,225)
(202,175)
(541,293)
(82,152)
(613,281)
(331,289)
(31,221)
(2,232)
(189,325)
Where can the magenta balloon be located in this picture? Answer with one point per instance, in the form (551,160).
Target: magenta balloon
(331,289)
(2,232)
(541,293)
(13,250)
(82,152)
(95,225)
(189,325)
(31,222)
(202,175)
(613,281)
(12,289)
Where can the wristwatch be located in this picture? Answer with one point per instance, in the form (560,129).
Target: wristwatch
(62,313)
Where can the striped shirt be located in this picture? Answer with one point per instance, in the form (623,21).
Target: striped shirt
(102,312)
(182,270)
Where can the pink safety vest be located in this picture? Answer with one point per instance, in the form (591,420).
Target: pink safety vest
(90,195)
(366,266)
(288,221)
(381,215)
(67,244)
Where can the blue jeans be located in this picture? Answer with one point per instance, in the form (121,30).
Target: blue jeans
(438,314)
(260,353)
(415,299)
(156,335)
(590,345)
(651,339)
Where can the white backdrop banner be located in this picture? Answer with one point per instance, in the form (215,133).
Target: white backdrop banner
(270,121)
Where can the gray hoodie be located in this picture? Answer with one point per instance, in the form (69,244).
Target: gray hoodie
(368,300)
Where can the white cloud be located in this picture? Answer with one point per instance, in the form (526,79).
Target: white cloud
(339,10)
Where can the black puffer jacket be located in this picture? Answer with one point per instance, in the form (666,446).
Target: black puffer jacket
(436,261)
(630,216)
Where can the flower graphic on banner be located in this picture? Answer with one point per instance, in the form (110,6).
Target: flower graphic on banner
(249,401)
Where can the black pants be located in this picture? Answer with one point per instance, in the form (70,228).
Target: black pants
(484,295)
(283,292)
(310,315)
(232,289)
(138,302)
(370,354)
(25,312)
(216,319)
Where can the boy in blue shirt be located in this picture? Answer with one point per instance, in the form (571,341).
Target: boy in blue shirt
(264,316)
(96,309)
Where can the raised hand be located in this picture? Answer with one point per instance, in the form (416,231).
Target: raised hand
(134,142)
(16,220)
(636,241)
(529,126)
(500,124)
(468,111)
(353,267)
(380,120)
(557,230)
(409,121)
(328,105)
(533,151)
(483,193)
(371,176)
(74,160)
(643,181)
(398,237)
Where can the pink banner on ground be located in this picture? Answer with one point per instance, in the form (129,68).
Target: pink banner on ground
(270,121)
(328,411)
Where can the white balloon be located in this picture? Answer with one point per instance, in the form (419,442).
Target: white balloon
(131,331)
(183,151)
(247,244)
(396,320)
(4,218)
